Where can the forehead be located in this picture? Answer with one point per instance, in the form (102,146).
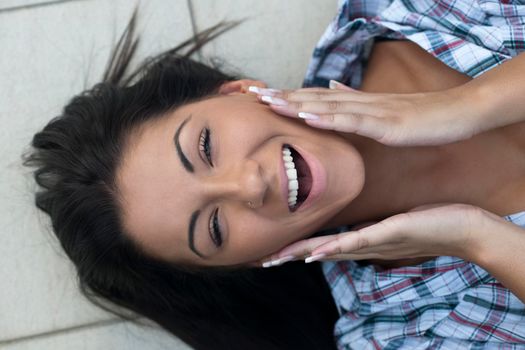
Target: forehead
(156,191)
(142,179)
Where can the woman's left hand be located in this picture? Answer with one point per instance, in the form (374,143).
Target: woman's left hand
(444,229)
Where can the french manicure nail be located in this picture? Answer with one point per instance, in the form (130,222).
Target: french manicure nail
(271,92)
(274,100)
(267,264)
(264,91)
(278,261)
(282,260)
(309,116)
(254,89)
(333,84)
(314,258)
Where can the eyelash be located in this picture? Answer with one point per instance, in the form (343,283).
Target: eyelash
(204,143)
(214,229)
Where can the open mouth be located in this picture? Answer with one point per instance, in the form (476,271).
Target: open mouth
(300,180)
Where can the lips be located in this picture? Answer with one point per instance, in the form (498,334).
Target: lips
(284,179)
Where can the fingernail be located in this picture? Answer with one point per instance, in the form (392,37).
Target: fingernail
(278,261)
(254,89)
(283,260)
(333,84)
(267,264)
(314,258)
(263,91)
(308,116)
(274,100)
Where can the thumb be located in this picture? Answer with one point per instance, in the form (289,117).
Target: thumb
(335,85)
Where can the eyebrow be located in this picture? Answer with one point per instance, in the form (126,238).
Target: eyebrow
(189,168)
(185,161)
(191,231)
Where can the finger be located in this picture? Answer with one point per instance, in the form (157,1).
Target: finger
(314,95)
(336,257)
(258,91)
(304,247)
(343,243)
(363,240)
(361,124)
(299,249)
(327,107)
(386,249)
(342,93)
(327,95)
(282,93)
(336,85)
(355,256)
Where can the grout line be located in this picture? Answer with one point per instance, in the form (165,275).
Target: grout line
(54,332)
(30,6)
(194,25)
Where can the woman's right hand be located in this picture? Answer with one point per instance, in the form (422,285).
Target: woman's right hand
(416,119)
(449,229)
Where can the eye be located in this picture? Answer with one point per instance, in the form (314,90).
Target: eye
(214,229)
(213,226)
(204,144)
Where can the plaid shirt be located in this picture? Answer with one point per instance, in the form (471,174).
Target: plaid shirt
(445,303)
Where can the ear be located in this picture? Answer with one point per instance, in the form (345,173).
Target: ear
(239,86)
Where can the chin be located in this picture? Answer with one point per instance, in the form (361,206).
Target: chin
(347,180)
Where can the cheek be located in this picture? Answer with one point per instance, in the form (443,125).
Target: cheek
(251,123)
(259,239)
(242,129)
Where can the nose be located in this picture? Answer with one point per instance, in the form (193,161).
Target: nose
(243,183)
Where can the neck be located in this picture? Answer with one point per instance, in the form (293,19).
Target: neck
(485,171)
(398,179)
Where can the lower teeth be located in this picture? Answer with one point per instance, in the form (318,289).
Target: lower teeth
(294,204)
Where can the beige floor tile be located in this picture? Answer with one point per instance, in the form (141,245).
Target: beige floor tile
(53,52)
(276,41)
(120,336)
(49,53)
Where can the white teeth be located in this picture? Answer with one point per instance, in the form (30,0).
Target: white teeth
(291,173)
(289,165)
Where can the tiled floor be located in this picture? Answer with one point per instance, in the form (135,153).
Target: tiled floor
(51,50)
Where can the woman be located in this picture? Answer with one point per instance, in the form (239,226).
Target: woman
(153,181)
(77,155)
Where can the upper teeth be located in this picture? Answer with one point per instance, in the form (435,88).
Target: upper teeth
(291,172)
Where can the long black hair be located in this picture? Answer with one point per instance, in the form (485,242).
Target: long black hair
(75,157)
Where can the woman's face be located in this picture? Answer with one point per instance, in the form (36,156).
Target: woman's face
(164,197)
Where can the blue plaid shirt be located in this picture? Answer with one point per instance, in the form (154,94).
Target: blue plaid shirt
(445,303)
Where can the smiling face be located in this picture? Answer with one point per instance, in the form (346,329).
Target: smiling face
(163,199)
